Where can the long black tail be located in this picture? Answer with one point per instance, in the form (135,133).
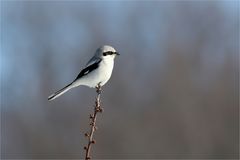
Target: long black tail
(60,92)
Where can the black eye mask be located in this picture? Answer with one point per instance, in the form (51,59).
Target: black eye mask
(108,53)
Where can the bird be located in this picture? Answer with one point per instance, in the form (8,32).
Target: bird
(97,71)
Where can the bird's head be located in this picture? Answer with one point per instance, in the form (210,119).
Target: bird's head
(106,52)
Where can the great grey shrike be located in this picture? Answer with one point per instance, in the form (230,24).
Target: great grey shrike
(97,71)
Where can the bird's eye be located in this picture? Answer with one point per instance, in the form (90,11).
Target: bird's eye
(107,53)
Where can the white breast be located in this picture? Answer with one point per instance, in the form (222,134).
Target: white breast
(105,69)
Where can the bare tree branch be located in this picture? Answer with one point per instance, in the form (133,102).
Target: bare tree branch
(93,118)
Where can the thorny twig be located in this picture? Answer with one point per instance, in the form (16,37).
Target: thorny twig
(93,118)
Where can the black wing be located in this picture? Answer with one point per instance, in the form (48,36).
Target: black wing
(89,69)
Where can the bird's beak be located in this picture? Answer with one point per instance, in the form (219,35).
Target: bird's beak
(117,53)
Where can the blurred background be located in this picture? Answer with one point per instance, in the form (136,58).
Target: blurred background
(174,90)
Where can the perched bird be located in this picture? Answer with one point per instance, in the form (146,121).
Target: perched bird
(97,71)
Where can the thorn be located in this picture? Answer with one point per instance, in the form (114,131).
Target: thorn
(91,116)
(85,147)
(93,142)
(91,124)
(95,128)
(86,135)
(100,110)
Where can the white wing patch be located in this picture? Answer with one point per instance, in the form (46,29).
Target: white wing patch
(86,72)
